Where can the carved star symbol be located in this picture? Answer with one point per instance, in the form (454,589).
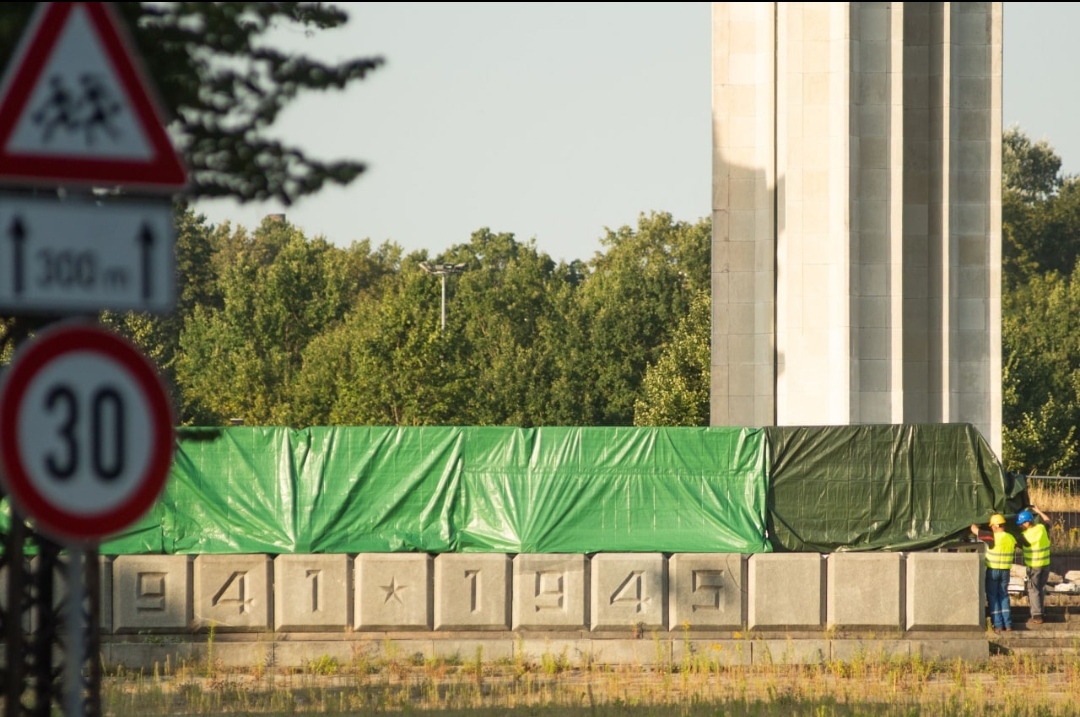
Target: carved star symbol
(393,591)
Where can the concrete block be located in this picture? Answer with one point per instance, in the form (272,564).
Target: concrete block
(786,591)
(790,652)
(393,652)
(549,592)
(232,592)
(296,654)
(5,570)
(145,656)
(974,650)
(393,591)
(464,651)
(230,655)
(152,593)
(873,650)
(863,590)
(311,592)
(472,591)
(706,590)
(944,591)
(707,655)
(629,592)
(577,652)
(631,652)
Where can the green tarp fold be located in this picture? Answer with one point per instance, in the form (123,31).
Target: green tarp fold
(575,490)
(444,489)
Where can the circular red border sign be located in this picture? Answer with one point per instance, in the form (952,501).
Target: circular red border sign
(61,342)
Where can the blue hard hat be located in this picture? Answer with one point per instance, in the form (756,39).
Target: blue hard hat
(1024,516)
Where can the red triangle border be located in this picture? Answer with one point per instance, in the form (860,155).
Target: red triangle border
(163,171)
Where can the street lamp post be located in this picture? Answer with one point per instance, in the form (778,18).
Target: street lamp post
(442,271)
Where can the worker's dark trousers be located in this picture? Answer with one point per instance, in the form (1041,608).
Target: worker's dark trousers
(997,594)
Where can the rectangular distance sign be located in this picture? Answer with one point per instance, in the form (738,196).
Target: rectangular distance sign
(84,255)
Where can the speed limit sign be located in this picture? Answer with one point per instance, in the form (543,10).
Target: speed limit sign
(86,433)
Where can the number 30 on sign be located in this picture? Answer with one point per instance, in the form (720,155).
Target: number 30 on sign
(86,433)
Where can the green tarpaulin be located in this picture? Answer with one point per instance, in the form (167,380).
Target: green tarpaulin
(573,490)
(885,487)
(541,490)
(577,490)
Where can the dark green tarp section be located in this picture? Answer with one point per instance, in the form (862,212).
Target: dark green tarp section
(885,487)
(445,489)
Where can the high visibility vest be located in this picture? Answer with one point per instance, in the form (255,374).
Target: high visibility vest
(1000,556)
(1036,546)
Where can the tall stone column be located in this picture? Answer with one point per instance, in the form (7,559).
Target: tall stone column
(857,214)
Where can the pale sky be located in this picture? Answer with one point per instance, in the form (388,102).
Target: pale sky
(555,120)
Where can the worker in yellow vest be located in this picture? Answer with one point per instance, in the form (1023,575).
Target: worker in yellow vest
(1037,559)
(999,559)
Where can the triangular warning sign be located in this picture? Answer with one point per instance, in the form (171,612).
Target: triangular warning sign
(75,107)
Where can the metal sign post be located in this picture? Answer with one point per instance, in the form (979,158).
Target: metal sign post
(73,680)
(86,441)
(85,427)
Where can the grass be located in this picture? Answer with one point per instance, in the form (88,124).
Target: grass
(1064,540)
(1055,496)
(865,685)
(1058,496)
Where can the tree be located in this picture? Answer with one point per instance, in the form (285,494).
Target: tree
(388,363)
(1041,375)
(511,307)
(675,391)
(500,360)
(630,303)
(279,291)
(158,336)
(1040,210)
(1040,298)
(225,85)
(1031,170)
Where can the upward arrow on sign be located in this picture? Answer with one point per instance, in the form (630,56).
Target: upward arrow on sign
(74,107)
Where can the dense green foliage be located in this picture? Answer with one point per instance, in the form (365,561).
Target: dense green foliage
(1040,309)
(675,391)
(281,329)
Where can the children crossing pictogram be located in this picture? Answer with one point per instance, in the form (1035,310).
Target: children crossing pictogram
(93,109)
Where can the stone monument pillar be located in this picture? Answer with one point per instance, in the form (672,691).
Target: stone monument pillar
(857,214)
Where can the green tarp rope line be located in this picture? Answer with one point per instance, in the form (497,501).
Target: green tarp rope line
(568,490)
